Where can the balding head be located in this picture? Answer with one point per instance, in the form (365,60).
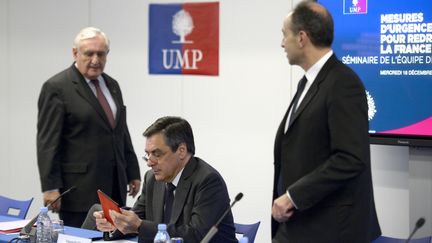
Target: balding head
(315,20)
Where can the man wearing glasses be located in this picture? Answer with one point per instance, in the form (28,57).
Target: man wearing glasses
(82,135)
(180,190)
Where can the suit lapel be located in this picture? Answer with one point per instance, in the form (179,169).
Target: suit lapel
(158,201)
(84,91)
(313,90)
(182,191)
(306,100)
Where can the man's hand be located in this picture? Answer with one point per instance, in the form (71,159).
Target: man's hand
(282,208)
(134,187)
(102,223)
(49,197)
(126,221)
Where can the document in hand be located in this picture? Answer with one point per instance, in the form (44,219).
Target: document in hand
(107,204)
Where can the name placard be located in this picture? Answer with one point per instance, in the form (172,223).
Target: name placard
(62,238)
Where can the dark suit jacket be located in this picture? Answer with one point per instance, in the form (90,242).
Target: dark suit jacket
(76,144)
(324,159)
(201,197)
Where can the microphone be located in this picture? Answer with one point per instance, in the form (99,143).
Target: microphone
(420,222)
(28,232)
(214,229)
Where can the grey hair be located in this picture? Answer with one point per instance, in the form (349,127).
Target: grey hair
(88,33)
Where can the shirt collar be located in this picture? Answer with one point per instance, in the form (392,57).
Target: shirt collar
(313,71)
(177,178)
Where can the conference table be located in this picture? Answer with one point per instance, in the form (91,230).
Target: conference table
(84,233)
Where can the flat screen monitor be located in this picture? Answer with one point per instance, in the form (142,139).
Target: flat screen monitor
(388,43)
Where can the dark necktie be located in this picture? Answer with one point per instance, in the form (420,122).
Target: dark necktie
(169,199)
(300,87)
(104,103)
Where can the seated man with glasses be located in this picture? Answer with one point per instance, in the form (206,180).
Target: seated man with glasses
(180,190)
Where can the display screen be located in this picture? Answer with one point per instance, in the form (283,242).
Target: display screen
(388,43)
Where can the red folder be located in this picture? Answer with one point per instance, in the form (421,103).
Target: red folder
(107,204)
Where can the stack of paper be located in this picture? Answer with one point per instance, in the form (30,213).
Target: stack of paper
(13,226)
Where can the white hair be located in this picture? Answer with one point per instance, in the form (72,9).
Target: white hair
(88,33)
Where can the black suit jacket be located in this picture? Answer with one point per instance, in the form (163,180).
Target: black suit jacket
(201,197)
(324,159)
(76,144)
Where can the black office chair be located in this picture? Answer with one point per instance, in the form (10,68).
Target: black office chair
(248,230)
(14,208)
(385,239)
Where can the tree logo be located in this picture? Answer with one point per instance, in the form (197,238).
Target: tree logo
(182,25)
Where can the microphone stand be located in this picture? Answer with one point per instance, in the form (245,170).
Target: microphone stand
(28,232)
(214,229)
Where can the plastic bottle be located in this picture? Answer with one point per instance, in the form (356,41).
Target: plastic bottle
(244,239)
(162,235)
(43,227)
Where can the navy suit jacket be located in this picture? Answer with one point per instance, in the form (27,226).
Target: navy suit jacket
(76,146)
(324,159)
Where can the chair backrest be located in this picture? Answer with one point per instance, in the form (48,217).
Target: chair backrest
(385,239)
(248,230)
(14,208)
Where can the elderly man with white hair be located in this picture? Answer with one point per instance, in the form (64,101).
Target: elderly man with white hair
(82,135)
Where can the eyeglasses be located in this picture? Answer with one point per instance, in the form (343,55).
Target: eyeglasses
(154,156)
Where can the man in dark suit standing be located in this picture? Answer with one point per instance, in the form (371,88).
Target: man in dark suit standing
(82,136)
(199,196)
(322,184)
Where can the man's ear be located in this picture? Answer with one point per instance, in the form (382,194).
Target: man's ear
(182,149)
(74,53)
(302,38)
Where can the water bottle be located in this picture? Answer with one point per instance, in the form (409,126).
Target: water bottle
(162,235)
(244,239)
(43,227)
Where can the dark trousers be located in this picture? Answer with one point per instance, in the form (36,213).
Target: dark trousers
(74,219)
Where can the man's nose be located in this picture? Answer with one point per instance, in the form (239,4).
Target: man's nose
(95,59)
(150,163)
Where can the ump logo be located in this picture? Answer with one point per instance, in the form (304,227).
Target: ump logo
(355,6)
(184,38)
